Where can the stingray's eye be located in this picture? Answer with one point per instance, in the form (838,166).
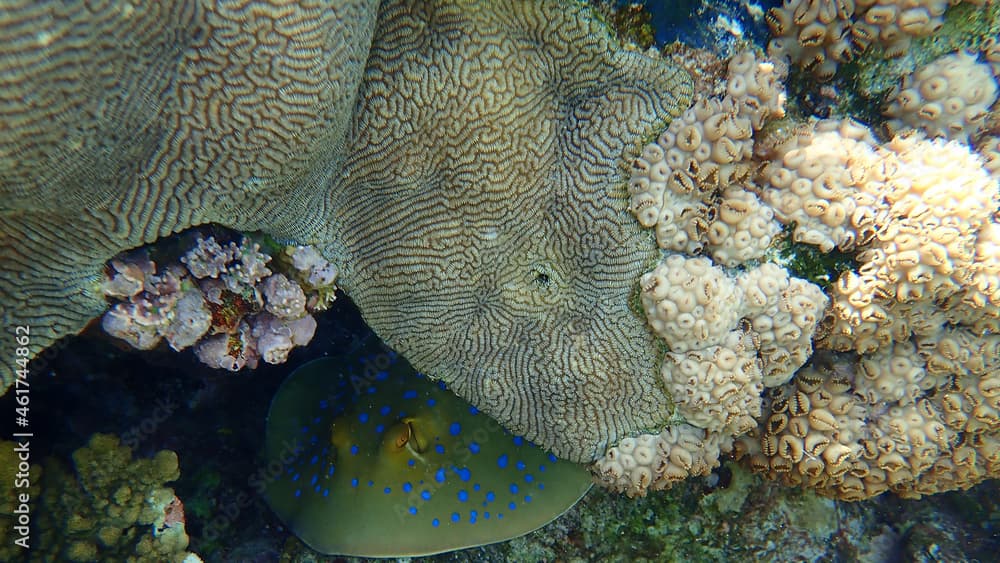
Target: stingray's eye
(397,436)
(404,435)
(415,439)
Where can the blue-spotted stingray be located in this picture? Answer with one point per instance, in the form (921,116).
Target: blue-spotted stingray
(377,460)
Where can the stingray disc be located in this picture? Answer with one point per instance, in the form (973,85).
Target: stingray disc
(371,458)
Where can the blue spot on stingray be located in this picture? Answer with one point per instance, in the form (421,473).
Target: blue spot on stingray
(413,510)
(407,487)
(402,414)
(500,516)
(521,466)
(476,487)
(363,417)
(305,430)
(387,490)
(326,492)
(371,390)
(385,410)
(518,441)
(370,483)
(529,478)
(426,495)
(455,517)
(473,410)
(491,496)
(513,488)
(527,498)
(512,505)
(314,459)
(323,404)
(541,486)
(441,385)
(381,376)
(472,517)
(463,496)
(502,461)
(298,493)
(431,402)
(474,447)
(553,458)
(317,420)
(439,476)
(314,479)
(330,471)
(464,474)
(313,440)
(295,477)
(455,429)
(354,450)
(380,428)
(354,482)
(541,468)
(410,394)
(439,449)
(435,522)
(412,462)
(486,515)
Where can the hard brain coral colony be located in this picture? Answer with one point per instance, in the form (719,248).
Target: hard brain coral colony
(903,392)
(221,299)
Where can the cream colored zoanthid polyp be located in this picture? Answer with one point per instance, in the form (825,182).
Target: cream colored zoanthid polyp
(717,366)
(718,387)
(742,230)
(824,180)
(657,461)
(675,182)
(817,35)
(893,374)
(949,97)
(690,302)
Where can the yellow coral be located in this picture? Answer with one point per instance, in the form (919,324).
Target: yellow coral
(113,508)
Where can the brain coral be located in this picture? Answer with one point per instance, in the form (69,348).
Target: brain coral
(483,225)
(477,206)
(122,125)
